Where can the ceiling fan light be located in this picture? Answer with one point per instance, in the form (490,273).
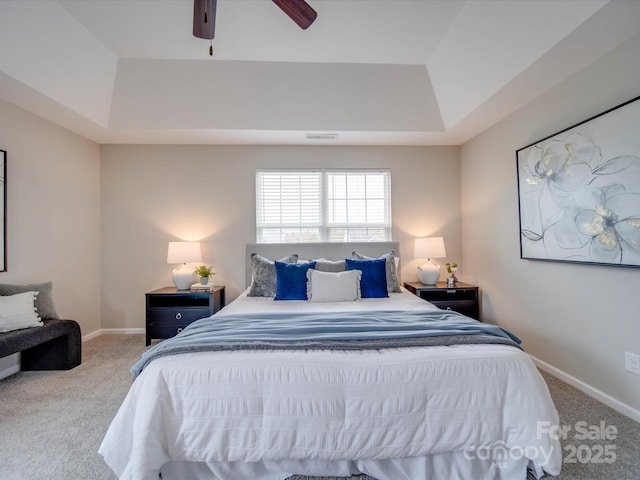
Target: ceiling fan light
(204,18)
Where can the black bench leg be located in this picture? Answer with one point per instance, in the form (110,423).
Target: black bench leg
(61,353)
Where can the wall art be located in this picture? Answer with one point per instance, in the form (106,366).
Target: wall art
(579,191)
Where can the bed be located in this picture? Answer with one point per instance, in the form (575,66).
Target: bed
(231,398)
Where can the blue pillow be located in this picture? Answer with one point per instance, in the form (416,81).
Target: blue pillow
(373,283)
(291,280)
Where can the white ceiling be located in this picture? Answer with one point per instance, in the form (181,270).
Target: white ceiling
(389,72)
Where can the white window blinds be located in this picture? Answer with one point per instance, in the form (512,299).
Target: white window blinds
(323,206)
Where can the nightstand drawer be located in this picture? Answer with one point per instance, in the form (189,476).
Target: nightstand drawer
(167,330)
(449,295)
(465,307)
(462,297)
(179,300)
(179,315)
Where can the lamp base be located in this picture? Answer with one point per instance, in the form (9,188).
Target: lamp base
(183,277)
(429,273)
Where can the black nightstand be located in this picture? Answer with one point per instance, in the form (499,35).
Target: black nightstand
(170,310)
(463,298)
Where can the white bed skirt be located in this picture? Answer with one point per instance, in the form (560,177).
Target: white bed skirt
(442,466)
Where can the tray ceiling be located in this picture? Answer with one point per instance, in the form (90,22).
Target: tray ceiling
(374,72)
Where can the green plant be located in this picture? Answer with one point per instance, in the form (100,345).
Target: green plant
(452,267)
(204,271)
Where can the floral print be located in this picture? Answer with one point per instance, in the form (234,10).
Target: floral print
(575,205)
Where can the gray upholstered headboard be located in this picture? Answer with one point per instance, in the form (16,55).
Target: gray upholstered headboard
(330,251)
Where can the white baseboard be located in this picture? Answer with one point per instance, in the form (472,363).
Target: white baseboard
(593,392)
(113,331)
(7,372)
(9,365)
(91,335)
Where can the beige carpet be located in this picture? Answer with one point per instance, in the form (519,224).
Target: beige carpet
(51,423)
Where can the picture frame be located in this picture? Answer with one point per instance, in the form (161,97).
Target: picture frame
(579,191)
(3,211)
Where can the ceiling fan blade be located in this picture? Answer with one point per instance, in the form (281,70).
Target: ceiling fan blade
(204,18)
(299,11)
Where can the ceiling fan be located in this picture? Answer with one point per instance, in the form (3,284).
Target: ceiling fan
(204,16)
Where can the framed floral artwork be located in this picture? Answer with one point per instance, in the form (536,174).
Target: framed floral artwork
(579,191)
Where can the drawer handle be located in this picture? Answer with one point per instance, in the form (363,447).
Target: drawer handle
(179,330)
(178,316)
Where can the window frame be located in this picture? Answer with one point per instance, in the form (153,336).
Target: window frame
(324,229)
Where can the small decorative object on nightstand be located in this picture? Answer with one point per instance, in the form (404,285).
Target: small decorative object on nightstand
(170,310)
(204,273)
(461,298)
(452,268)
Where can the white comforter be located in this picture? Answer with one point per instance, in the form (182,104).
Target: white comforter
(477,410)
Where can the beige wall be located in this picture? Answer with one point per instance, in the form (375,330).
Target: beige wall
(154,194)
(53,212)
(579,319)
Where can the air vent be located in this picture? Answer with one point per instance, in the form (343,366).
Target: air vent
(321,136)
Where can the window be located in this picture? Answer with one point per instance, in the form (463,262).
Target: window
(295,206)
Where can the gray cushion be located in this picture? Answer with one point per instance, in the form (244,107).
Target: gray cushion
(44,300)
(324,265)
(393,285)
(263,275)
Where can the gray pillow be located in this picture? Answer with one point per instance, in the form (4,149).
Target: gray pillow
(44,300)
(324,265)
(393,285)
(263,275)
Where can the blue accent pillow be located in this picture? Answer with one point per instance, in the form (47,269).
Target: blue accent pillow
(291,280)
(373,283)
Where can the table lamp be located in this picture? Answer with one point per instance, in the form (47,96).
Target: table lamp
(184,253)
(429,247)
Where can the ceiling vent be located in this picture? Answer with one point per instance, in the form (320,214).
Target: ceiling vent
(321,136)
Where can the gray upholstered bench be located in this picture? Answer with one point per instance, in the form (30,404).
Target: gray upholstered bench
(55,346)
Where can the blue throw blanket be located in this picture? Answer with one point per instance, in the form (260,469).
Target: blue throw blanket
(322,331)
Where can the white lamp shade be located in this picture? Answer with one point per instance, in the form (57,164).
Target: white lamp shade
(429,247)
(184,252)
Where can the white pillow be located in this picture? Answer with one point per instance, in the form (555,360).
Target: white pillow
(333,286)
(18,311)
